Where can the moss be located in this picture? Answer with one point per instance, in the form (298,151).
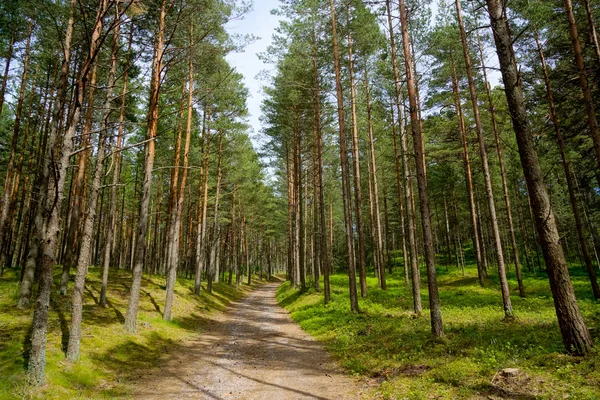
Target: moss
(387,343)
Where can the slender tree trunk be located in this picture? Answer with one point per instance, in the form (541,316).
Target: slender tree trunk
(360,255)
(434,300)
(568,174)
(173,257)
(477,245)
(400,194)
(345,170)
(7,203)
(513,239)
(508,311)
(408,193)
(588,101)
(116,154)
(378,229)
(575,334)
(142,226)
(55,194)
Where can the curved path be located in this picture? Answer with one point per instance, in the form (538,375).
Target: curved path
(253,351)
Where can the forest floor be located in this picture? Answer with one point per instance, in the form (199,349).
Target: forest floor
(393,350)
(252,351)
(112,360)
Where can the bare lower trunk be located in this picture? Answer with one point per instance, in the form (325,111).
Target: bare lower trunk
(142,227)
(345,169)
(408,194)
(489,191)
(434,300)
(575,334)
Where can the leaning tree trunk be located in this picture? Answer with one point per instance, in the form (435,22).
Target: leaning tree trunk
(54,198)
(511,228)
(345,170)
(568,174)
(481,272)
(434,300)
(575,334)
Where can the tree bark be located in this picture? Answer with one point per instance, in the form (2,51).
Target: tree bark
(575,334)
(142,226)
(590,107)
(434,300)
(489,191)
(408,194)
(345,170)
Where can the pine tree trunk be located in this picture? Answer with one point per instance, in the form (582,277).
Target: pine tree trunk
(360,255)
(9,56)
(477,245)
(400,194)
(588,101)
(408,192)
(508,311)
(176,215)
(591,26)
(575,334)
(568,174)
(378,230)
(434,300)
(7,203)
(110,242)
(345,169)
(142,226)
(513,240)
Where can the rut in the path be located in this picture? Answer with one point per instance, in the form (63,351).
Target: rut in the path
(253,351)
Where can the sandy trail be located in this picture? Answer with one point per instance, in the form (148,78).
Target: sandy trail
(253,351)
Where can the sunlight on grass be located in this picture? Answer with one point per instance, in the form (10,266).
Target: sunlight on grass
(111,358)
(396,353)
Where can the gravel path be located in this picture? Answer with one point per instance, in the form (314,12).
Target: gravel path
(253,351)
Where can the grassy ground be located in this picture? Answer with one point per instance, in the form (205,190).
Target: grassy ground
(396,353)
(110,357)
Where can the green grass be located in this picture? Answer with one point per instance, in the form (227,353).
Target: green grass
(395,352)
(111,358)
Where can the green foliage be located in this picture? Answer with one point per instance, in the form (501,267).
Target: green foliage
(111,359)
(394,350)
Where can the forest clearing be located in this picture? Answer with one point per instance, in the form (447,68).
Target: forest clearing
(424,175)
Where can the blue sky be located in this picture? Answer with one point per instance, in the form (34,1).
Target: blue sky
(260,23)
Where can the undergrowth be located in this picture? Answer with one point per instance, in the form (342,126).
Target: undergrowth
(111,358)
(393,349)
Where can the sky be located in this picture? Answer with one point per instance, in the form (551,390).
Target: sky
(261,23)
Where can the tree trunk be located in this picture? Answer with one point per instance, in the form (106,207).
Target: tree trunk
(511,228)
(378,229)
(142,226)
(7,203)
(362,270)
(489,191)
(575,334)
(477,245)
(590,107)
(116,153)
(434,300)
(345,170)
(408,194)
(568,174)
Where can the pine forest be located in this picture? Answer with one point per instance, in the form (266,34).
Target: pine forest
(404,203)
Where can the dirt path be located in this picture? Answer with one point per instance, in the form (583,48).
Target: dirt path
(253,351)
